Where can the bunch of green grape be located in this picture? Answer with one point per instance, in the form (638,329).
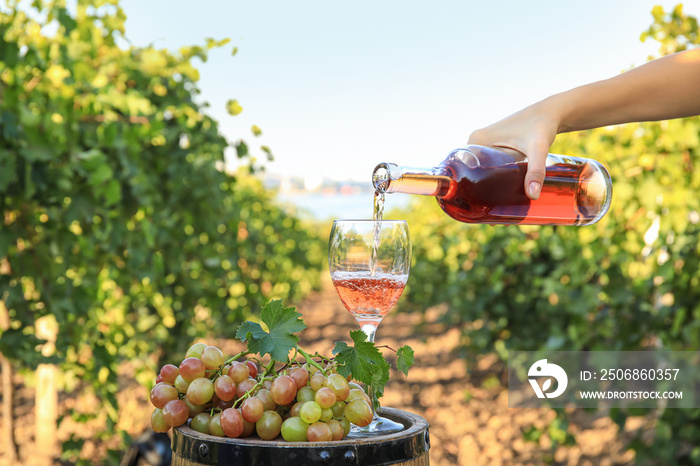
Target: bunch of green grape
(220,397)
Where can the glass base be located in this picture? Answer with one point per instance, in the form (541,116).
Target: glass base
(378,426)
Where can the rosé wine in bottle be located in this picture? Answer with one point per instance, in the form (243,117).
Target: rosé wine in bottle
(479,184)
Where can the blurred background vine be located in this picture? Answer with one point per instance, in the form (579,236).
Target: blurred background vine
(122,231)
(630,281)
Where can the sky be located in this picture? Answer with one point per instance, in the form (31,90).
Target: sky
(338,87)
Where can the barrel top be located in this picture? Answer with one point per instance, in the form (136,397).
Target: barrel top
(409,443)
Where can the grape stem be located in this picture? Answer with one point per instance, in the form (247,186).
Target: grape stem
(309,360)
(250,392)
(270,368)
(235,357)
(388,347)
(289,362)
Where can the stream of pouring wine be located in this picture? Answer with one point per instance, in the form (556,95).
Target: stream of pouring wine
(378,214)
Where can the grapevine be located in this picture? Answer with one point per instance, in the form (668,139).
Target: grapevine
(274,387)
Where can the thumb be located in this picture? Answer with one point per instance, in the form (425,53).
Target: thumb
(534,178)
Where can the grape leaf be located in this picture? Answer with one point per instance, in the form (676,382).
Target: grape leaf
(404,359)
(363,361)
(282,323)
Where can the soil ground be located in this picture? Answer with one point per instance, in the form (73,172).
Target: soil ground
(466,407)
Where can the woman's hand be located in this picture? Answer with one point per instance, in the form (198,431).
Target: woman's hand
(664,88)
(531,131)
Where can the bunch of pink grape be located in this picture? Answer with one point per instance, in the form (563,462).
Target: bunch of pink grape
(237,399)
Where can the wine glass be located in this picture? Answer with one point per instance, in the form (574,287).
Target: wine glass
(369,262)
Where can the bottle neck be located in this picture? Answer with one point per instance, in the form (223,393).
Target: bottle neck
(391,178)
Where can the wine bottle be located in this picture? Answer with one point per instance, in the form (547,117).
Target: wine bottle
(478,184)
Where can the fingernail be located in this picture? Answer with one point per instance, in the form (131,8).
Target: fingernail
(535,188)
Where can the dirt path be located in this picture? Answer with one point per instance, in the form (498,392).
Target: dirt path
(466,407)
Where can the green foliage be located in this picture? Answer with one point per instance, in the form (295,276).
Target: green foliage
(630,281)
(674,30)
(404,359)
(118,218)
(364,362)
(233,107)
(282,323)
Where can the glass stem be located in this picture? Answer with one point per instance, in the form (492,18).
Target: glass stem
(370,330)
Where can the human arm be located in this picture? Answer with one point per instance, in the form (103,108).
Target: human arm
(665,88)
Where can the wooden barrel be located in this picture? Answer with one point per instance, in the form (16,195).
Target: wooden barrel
(408,447)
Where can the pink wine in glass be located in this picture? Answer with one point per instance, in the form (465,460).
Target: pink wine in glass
(369,262)
(479,184)
(368,297)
